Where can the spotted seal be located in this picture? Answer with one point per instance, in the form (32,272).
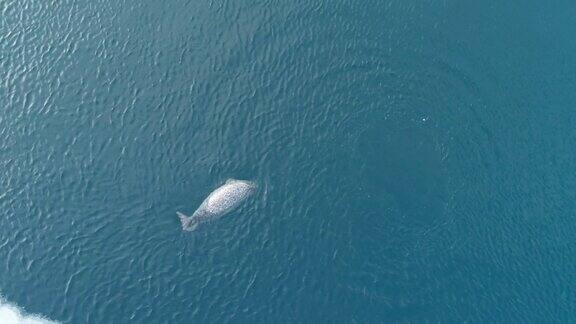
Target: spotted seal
(220,202)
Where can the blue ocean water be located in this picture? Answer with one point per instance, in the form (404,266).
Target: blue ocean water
(415,160)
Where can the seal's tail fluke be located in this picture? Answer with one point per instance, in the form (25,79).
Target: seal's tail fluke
(188,223)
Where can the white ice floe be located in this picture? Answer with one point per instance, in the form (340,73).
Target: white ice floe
(12,314)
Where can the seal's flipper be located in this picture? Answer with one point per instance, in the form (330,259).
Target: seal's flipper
(188,223)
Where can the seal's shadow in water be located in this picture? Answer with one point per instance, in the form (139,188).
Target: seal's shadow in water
(405,162)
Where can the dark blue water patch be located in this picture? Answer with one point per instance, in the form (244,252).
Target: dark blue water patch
(405,162)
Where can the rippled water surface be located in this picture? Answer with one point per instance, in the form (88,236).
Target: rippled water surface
(415,160)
